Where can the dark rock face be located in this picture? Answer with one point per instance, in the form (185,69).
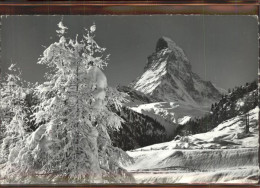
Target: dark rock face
(161,44)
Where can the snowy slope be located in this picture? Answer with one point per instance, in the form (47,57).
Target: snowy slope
(246,174)
(225,154)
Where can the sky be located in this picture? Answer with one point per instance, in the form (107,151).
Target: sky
(221,49)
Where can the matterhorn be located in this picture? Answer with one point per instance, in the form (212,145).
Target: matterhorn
(176,93)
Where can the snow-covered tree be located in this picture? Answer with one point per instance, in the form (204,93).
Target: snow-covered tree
(71,143)
(12,104)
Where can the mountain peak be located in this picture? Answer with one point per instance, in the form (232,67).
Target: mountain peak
(168,77)
(165,42)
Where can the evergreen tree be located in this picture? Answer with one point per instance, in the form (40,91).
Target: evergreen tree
(71,143)
(14,121)
(247,123)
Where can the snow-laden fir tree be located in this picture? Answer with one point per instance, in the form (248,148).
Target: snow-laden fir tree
(14,122)
(71,144)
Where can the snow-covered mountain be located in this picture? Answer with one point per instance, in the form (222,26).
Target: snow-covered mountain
(168,77)
(168,91)
(225,154)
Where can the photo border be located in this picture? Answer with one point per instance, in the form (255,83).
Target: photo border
(186,7)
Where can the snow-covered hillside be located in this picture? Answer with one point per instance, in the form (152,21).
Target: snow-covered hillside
(225,154)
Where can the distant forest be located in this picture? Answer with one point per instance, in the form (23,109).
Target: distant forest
(238,101)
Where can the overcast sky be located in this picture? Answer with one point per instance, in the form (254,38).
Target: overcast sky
(222,49)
